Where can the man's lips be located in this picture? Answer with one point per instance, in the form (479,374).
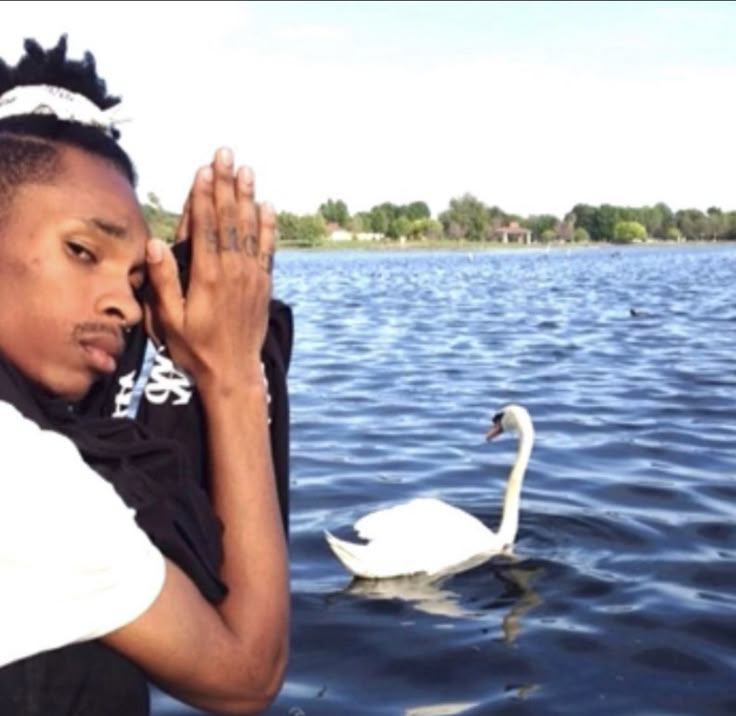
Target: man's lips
(102,350)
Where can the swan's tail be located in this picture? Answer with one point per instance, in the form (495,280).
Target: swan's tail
(348,553)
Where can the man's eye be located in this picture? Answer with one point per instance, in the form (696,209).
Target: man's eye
(80,252)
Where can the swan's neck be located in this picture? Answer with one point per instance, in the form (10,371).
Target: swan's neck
(511,501)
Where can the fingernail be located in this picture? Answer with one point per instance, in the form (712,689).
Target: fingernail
(226,156)
(154,251)
(245,176)
(206,174)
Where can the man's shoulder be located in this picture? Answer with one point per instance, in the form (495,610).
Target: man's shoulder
(8,412)
(15,426)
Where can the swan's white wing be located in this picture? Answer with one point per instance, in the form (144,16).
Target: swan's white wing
(423,535)
(421,519)
(374,560)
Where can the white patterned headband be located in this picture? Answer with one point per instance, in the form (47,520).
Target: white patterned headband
(57,102)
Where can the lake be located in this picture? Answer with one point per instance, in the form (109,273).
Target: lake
(621,594)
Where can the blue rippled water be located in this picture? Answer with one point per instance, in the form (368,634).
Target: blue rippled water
(621,597)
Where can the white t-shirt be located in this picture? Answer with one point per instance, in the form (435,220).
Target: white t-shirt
(74,565)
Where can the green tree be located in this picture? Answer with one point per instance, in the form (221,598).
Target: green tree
(541,225)
(309,230)
(466,216)
(357,223)
(656,219)
(161,223)
(335,211)
(453,230)
(427,228)
(580,235)
(717,222)
(313,229)
(606,219)
(153,201)
(378,220)
(566,228)
(693,223)
(730,229)
(626,231)
(417,210)
(398,227)
(668,216)
(287,226)
(362,221)
(548,235)
(585,218)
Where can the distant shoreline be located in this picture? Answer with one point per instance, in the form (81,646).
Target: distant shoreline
(468,246)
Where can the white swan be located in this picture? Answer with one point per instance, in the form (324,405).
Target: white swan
(428,536)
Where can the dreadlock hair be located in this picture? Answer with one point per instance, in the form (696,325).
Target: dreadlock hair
(29,144)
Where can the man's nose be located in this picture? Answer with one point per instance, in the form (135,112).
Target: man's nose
(121,303)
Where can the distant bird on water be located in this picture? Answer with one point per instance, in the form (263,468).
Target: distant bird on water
(428,536)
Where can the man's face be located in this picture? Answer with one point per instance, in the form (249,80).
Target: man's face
(71,255)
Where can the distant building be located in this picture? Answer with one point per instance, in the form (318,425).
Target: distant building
(513,232)
(336,233)
(340,235)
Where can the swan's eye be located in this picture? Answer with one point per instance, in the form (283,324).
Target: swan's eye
(497,418)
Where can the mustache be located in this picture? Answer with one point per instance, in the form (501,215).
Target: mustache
(93,328)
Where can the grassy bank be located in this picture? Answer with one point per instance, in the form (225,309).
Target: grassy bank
(390,245)
(449,245)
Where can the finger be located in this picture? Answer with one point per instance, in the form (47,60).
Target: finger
(267,237)
(182,227)
(203,229)
(229,239)
(163,276)
(247,209)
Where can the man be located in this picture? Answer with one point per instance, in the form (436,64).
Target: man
(115,565)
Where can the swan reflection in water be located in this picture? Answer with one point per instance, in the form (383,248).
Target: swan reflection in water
(431,595)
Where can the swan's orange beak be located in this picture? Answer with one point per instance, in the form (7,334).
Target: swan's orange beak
(494,430)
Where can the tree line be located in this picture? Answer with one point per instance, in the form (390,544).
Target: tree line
(467,218)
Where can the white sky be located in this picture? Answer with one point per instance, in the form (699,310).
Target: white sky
(529,106)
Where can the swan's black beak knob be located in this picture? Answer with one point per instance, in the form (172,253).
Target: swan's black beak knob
(496,427)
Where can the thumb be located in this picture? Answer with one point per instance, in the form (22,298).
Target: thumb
(163,275)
